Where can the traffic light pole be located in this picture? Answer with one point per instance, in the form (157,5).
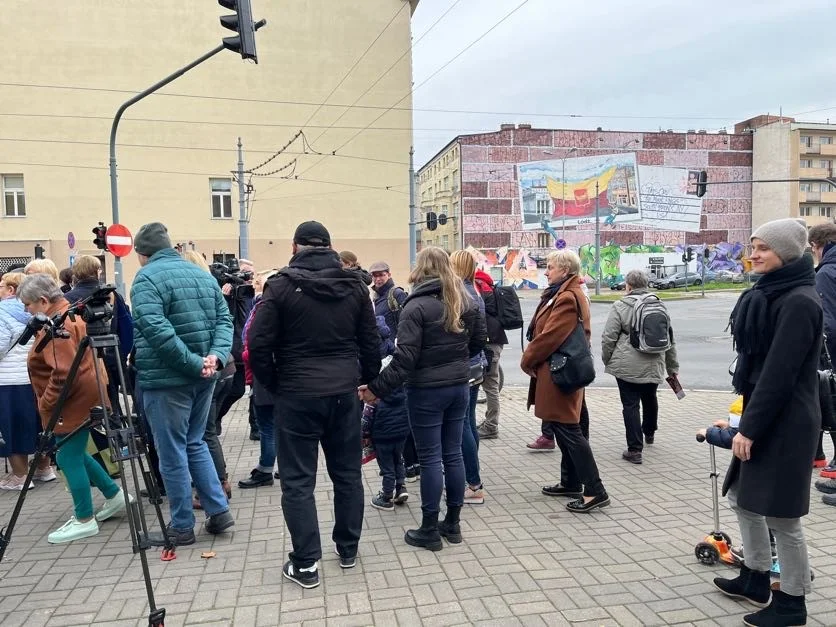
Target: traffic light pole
(597,244)
(413,226)
(114,188)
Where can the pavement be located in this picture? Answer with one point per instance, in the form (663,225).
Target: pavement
(525,560)
(703,345)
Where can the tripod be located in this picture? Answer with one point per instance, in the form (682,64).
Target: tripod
(127,444)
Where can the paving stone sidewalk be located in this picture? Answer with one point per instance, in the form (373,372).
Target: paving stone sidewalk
(525,559)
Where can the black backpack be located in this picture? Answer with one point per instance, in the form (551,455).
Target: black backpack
(508,309)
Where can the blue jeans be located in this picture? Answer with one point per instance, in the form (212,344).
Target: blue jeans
(390,461)
(178,420)
(470,442)
(436,416)
(267,429)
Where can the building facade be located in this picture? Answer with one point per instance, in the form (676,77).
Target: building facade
(177,149)
(485,208)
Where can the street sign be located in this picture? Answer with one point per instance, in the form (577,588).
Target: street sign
(70,240)
(119,241)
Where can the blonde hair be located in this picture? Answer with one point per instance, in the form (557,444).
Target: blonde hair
(86,267)
(13,279)
(464,264)
(197,259)
(42,266)
(566,259)
(261,279)
(434,263)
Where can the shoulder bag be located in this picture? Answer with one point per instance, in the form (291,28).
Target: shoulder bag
(572,366)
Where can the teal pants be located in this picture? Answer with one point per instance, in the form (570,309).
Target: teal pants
(80,470)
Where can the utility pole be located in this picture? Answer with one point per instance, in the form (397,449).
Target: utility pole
(597,244)
(413,225)
(243,226)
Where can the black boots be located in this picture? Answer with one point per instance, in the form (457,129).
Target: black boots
(427,536)
(449,527)
(750,585)
(784,611)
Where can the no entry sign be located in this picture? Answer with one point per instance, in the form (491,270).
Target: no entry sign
(119,240)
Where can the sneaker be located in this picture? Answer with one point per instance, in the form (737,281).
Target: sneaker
(413,473)
(113,506)
(486,433)
(648,439)
(401,495)
(474,496)
(305,577)
(346,562)
(15,484)
(73,530)
(828,486)
(178,537)
(829,499)
(541,444)
(634,457)
(218,523)
(45,476)
(820,462)
(829,471)
(5,479)
(276,475)
(383,502)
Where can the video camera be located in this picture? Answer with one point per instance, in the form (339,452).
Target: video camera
(95,310)
(230,272)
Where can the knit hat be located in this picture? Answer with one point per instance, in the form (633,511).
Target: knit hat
(787,237)
(312,233)
(150,238)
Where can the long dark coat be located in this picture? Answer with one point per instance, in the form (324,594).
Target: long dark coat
(781,412)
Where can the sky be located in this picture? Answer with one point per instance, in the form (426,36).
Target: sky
(639,65)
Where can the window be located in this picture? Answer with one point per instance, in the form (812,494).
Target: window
(428,243)
(824,187)
(825,212)
(14,199)
(826,139)
(805,187)
(543,207)
(806,140)
(445,242)
(444,210)
(825,163)
(221,197)
(805,211)
(805,163)
(446,183)
(543,240)
(223,258)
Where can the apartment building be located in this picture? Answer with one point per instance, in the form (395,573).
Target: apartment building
(439,190)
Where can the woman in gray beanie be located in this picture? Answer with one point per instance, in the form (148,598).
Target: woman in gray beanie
(777,329)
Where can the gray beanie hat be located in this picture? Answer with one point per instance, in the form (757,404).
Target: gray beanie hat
(151,238)
(787,237)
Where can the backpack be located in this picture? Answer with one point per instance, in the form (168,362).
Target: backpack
(650,325)
(394,306)
(508,309)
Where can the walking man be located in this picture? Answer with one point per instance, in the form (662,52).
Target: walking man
(497,339)
(184,336)
(312,341)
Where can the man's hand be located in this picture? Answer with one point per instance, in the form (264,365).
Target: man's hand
(365,394)
(210,366)
(227,289)
(531,372)
(742,447)
(723,424)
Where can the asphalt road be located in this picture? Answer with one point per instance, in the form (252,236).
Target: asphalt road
(703,346)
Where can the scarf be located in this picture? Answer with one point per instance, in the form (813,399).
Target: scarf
(750,322)
(548,294)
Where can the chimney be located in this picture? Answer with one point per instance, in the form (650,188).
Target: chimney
(524,127)
(702,131)
(599,129)
(723,131)
(691,131)
(506,127)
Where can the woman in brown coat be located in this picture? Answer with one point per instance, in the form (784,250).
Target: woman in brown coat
(562,305)
(48,371)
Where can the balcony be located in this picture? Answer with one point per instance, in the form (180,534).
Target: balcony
(828,197)
(828,150)
(809,196)
(813,173)
(812,149)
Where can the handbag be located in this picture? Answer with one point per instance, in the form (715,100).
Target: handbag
(477,375)
(572,366)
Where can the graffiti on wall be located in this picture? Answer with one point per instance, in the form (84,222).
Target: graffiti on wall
(723,257)
(518,268)
(610,258)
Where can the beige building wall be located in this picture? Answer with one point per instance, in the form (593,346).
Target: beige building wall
(72,64)
(439,191)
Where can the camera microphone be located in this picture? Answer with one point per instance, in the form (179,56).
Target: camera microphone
(35,324)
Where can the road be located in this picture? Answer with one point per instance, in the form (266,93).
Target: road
(703,345)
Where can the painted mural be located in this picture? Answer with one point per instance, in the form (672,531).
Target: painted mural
(610,258)
(723,257)
(518,268)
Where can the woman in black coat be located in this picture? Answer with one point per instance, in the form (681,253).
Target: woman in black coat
(777,327)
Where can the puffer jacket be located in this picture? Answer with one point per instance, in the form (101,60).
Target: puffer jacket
(13,319)
(478,359)
(426,354)
(180,317)
(622,360)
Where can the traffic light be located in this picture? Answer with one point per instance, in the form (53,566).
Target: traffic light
(242,23)
(689,255)
(701,183)
(706,253)
(432,221)
(442,219)
(100,232)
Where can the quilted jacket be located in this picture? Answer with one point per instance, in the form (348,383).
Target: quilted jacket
(13,320)
(180,317)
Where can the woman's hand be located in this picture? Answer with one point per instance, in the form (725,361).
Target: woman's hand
(365,394)
(531,372)
(742,447)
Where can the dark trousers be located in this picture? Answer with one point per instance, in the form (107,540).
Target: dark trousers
(303,424)
(636,425)
(410,455)
(210,436)
(547,429)
(390,462)
(236,390)
(436,417)
(580,468)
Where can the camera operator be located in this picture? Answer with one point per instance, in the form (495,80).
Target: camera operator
(48,370)
(236,281)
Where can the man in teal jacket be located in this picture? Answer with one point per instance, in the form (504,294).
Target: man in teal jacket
(183,338)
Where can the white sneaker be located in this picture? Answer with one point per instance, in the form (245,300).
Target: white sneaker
(113,506)
(45,475)
(73,530)
(5,479)
(15,483)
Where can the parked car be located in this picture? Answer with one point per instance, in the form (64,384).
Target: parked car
(676,280)
(617,283)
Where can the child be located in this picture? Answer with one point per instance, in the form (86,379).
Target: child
(389,429)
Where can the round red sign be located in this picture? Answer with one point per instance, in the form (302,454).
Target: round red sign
(119,240)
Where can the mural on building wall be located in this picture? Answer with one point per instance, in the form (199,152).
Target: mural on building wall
(669,199)
(723,257)
(610,258)
(518,268)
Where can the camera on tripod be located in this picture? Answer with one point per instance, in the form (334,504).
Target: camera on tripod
(230,273)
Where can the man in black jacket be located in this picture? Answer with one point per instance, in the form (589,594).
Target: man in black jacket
(312,341)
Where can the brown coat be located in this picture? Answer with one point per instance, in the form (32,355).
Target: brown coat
(553,324)
(48,371)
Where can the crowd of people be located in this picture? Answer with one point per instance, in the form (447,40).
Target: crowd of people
(334,353)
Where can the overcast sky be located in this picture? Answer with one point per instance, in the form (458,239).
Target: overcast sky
(676,64)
